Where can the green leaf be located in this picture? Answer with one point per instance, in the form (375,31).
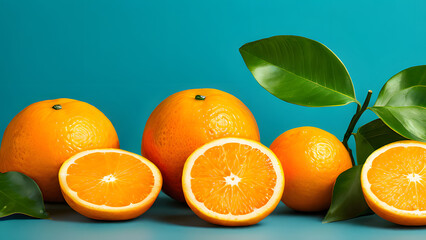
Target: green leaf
(299,70)
(401,103)
(372,136)
(20,194)
(348,200)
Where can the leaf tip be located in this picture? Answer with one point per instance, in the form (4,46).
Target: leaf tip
(328,218)
(325,221)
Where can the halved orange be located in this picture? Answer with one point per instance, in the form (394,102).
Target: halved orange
(233,182)
(109,184)
(393,180)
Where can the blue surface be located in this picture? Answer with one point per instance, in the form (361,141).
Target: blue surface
(124,57)
(168,219)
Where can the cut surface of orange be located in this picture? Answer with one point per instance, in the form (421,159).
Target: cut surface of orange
(109,184)
(233,182)
(393,181)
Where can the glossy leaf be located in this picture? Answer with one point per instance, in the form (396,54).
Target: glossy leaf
(20,194)
(372,136)
(299,70)
(348,200)
(401,103)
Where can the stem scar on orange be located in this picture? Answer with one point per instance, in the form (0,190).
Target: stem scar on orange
(45,134)
(187,120)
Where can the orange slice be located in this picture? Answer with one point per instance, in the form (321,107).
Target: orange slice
(109,184)
(393,180)
(233,182)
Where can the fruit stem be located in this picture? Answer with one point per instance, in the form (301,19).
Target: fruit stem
(354,120)
(57,107)
(200,97)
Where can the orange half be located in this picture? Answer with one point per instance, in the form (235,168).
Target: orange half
(109,184)
(393,180)
(233,182)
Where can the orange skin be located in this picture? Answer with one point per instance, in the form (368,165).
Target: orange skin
(108,216)
(39,139)
(408,220)
(181,124)
(312,159)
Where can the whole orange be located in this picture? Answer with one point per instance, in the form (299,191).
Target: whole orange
(45,134)
(187,120)
(312,159)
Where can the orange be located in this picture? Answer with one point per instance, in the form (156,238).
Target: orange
(109,184)
(393,182)
(233,182)
(45,134)
(312,159)
(187,120)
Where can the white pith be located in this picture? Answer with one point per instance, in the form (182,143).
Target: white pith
(74,196)
(413,177)
(278,188)
(109,178)
(232,180)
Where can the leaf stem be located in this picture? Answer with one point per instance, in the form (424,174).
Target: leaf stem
(354,120)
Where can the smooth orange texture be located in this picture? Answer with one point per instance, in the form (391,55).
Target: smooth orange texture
(393,182)
(181,124)
(109,184)
(312,159)
(39,139)
(233,182)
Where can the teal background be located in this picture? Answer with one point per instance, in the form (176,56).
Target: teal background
(125,57)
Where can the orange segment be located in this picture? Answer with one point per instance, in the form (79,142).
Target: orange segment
(109,184)
(394,182)
(233,181)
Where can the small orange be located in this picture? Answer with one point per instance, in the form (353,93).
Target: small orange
(393,182)
(233,182)
(45,134)
(109,184)
(312,159)
(187,120)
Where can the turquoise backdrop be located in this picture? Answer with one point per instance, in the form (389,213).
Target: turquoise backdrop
(125,57)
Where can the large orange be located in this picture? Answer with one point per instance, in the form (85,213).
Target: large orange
(312,159)
(109,184)
(187,120)
(45,134)
(393,182)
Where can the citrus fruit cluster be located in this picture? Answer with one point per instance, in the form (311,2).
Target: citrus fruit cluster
(202,147)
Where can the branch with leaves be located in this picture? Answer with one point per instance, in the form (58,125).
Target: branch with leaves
(302,71)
